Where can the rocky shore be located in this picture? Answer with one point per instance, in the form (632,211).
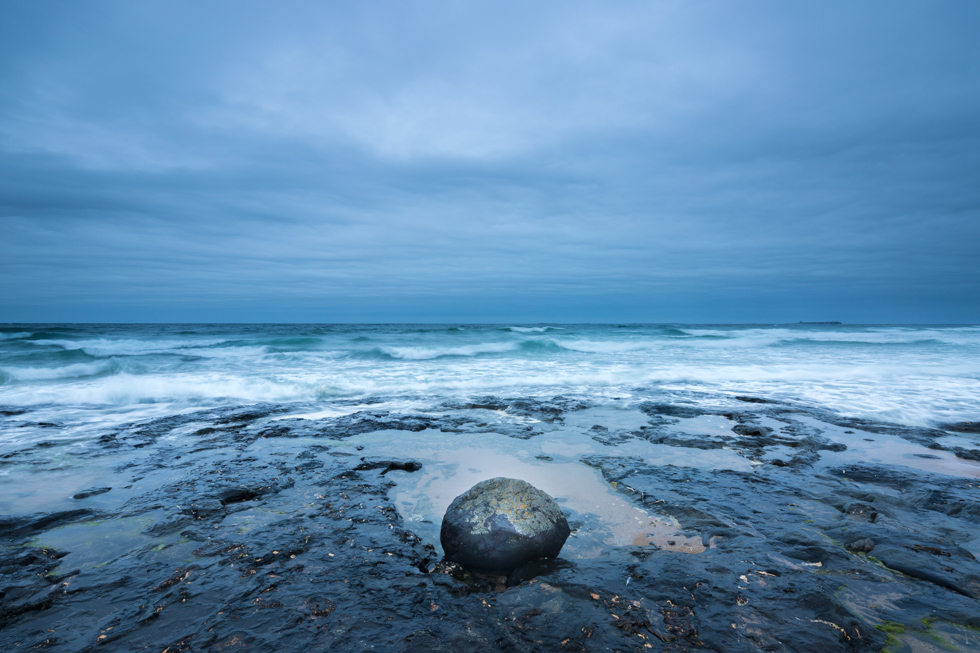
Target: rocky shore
(772,527)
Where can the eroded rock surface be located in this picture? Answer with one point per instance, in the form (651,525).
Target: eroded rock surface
(237,530)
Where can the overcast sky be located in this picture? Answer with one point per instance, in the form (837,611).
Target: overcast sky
(488,161)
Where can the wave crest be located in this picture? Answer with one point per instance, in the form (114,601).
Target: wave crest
(76,371)
(534,329)
(429,353)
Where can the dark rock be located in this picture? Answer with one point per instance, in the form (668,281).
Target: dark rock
(670,410)
(861,546)
(539,597)
(320,559)
(308,466)
(19,525)
(962,427)
(241,494)
(753,400)
(966,454)
(501,524)
(752,430)
(91,492)
(486,403)
(959,575)
(390,466)
(861,511)
(204,508)
(249,413)
(540,410)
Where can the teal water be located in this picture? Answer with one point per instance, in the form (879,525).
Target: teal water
(100,374)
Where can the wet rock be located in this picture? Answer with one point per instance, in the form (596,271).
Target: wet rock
(861,512)
(807,546)
(966,454)
(501,524)
(249,413)
(752,430)
(204,508)
(390,466)
(962,427)
(449,640)
(678,440)
(949,502)
(485,403)
(309,465)
(861,546)
(328,563)
(958,574)
(370,421)
(26,524)
(91,492)
(918,434)
(539,410)
(232,495)
(536,596)
(670,410)
(10,412)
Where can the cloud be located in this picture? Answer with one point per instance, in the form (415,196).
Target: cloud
(682,161)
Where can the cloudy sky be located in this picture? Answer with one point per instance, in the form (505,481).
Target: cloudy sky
(487,161)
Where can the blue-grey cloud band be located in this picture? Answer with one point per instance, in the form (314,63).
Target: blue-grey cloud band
(392,161)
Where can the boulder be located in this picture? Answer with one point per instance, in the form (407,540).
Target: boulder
(501,524)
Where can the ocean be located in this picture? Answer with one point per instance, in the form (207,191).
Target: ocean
(86,377)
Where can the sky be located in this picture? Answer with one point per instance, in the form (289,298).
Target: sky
(710,162)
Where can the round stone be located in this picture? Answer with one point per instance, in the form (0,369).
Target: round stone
(501,524)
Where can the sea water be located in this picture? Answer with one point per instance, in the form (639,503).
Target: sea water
(67,392)
(87,378)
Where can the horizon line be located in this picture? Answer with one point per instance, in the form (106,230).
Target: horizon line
(503,323)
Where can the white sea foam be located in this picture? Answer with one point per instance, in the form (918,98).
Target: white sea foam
(918,375)
(128,389)
(609,346)
(128,346)
(535,329)
(66,372)
(755,337)
(428,353)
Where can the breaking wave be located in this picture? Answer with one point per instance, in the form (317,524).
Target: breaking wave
(429,353)
(913,375)
(76,371)
(533,329)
